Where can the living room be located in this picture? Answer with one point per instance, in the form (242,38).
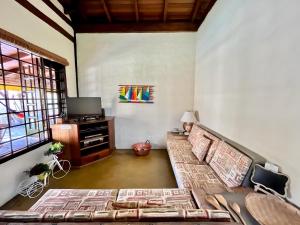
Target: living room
(232,63)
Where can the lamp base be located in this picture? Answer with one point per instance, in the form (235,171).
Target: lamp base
(187,127)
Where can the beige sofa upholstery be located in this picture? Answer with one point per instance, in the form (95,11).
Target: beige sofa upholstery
(224,167)
(116,215)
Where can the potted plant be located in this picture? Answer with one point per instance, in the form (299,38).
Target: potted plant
(55,148)
(41,170)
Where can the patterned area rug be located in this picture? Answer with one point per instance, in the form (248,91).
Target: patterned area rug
(75,199)
(101,199)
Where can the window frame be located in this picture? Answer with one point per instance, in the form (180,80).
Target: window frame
(40,90)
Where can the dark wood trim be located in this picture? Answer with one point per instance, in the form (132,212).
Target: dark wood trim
(165,11)
(207,10)
(196,10)
(107,13)
(27,5)
(76,67)
(136,8)
(58,12)
(137,27)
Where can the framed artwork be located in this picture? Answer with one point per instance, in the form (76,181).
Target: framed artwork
(136,93)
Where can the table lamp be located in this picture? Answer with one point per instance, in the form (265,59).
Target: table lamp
(188,119)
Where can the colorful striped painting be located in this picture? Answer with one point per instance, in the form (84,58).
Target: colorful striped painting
(136,93)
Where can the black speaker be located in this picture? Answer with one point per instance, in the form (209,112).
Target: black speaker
(103,112)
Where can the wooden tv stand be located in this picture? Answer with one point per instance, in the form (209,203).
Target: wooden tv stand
(85,141)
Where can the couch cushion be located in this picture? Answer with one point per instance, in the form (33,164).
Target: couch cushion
(55,216)
(200,148)
(181,151)
(230,164)
(20,216)
(79,216)
(161,214)
(127,215)
(195,134)
(213,146)
(196,176)
(173,197)
(207,215)
(102,216)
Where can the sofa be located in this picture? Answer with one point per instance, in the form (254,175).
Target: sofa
(208,161)
(115,205)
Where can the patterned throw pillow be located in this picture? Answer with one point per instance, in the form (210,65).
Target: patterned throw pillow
(213,146)
(200,148)
(195,134)
(230,165)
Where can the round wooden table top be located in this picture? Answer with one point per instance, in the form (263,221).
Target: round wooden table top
(270,210)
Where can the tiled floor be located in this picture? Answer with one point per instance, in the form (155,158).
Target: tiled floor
(121,170)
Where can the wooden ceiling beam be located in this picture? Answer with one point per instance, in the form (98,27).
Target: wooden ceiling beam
(142,27)
(197,5)
(136,8)
(58,12)
(165,11)
(106,10)
(206,11)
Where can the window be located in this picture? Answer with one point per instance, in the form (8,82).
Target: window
(32,96)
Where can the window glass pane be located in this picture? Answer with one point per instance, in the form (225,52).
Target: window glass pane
(41,83)
(46,133)
(10,64)
(27,80)
(31,116)
(2,106)
(12,79)
(33,139)
(5,149)
(42,136)
(2,92)
(3,121)
(4,135)
(47,72)
(54,84)
(19,144)
(48,84)
(32,128)
(36,60)
(53,74)
(52,121)
(51,112)
(17,132)
(56,112)
(27,68)
(1,76)
(25,56)
(15,105)
(9,50)
(16,118)
(13,92)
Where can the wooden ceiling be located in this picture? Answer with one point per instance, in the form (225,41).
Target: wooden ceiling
(90,16)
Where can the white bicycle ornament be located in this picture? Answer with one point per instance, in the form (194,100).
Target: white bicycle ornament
(33,186)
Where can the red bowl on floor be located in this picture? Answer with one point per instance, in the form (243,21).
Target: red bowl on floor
(141,149)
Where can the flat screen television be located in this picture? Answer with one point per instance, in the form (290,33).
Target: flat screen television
(84,106)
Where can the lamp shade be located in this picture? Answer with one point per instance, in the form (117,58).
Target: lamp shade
(188,117)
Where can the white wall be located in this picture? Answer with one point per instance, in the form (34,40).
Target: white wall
(12,171)
(247,83)
(165,60)
(19,21)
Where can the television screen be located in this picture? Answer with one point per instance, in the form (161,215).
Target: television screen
(84,106)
